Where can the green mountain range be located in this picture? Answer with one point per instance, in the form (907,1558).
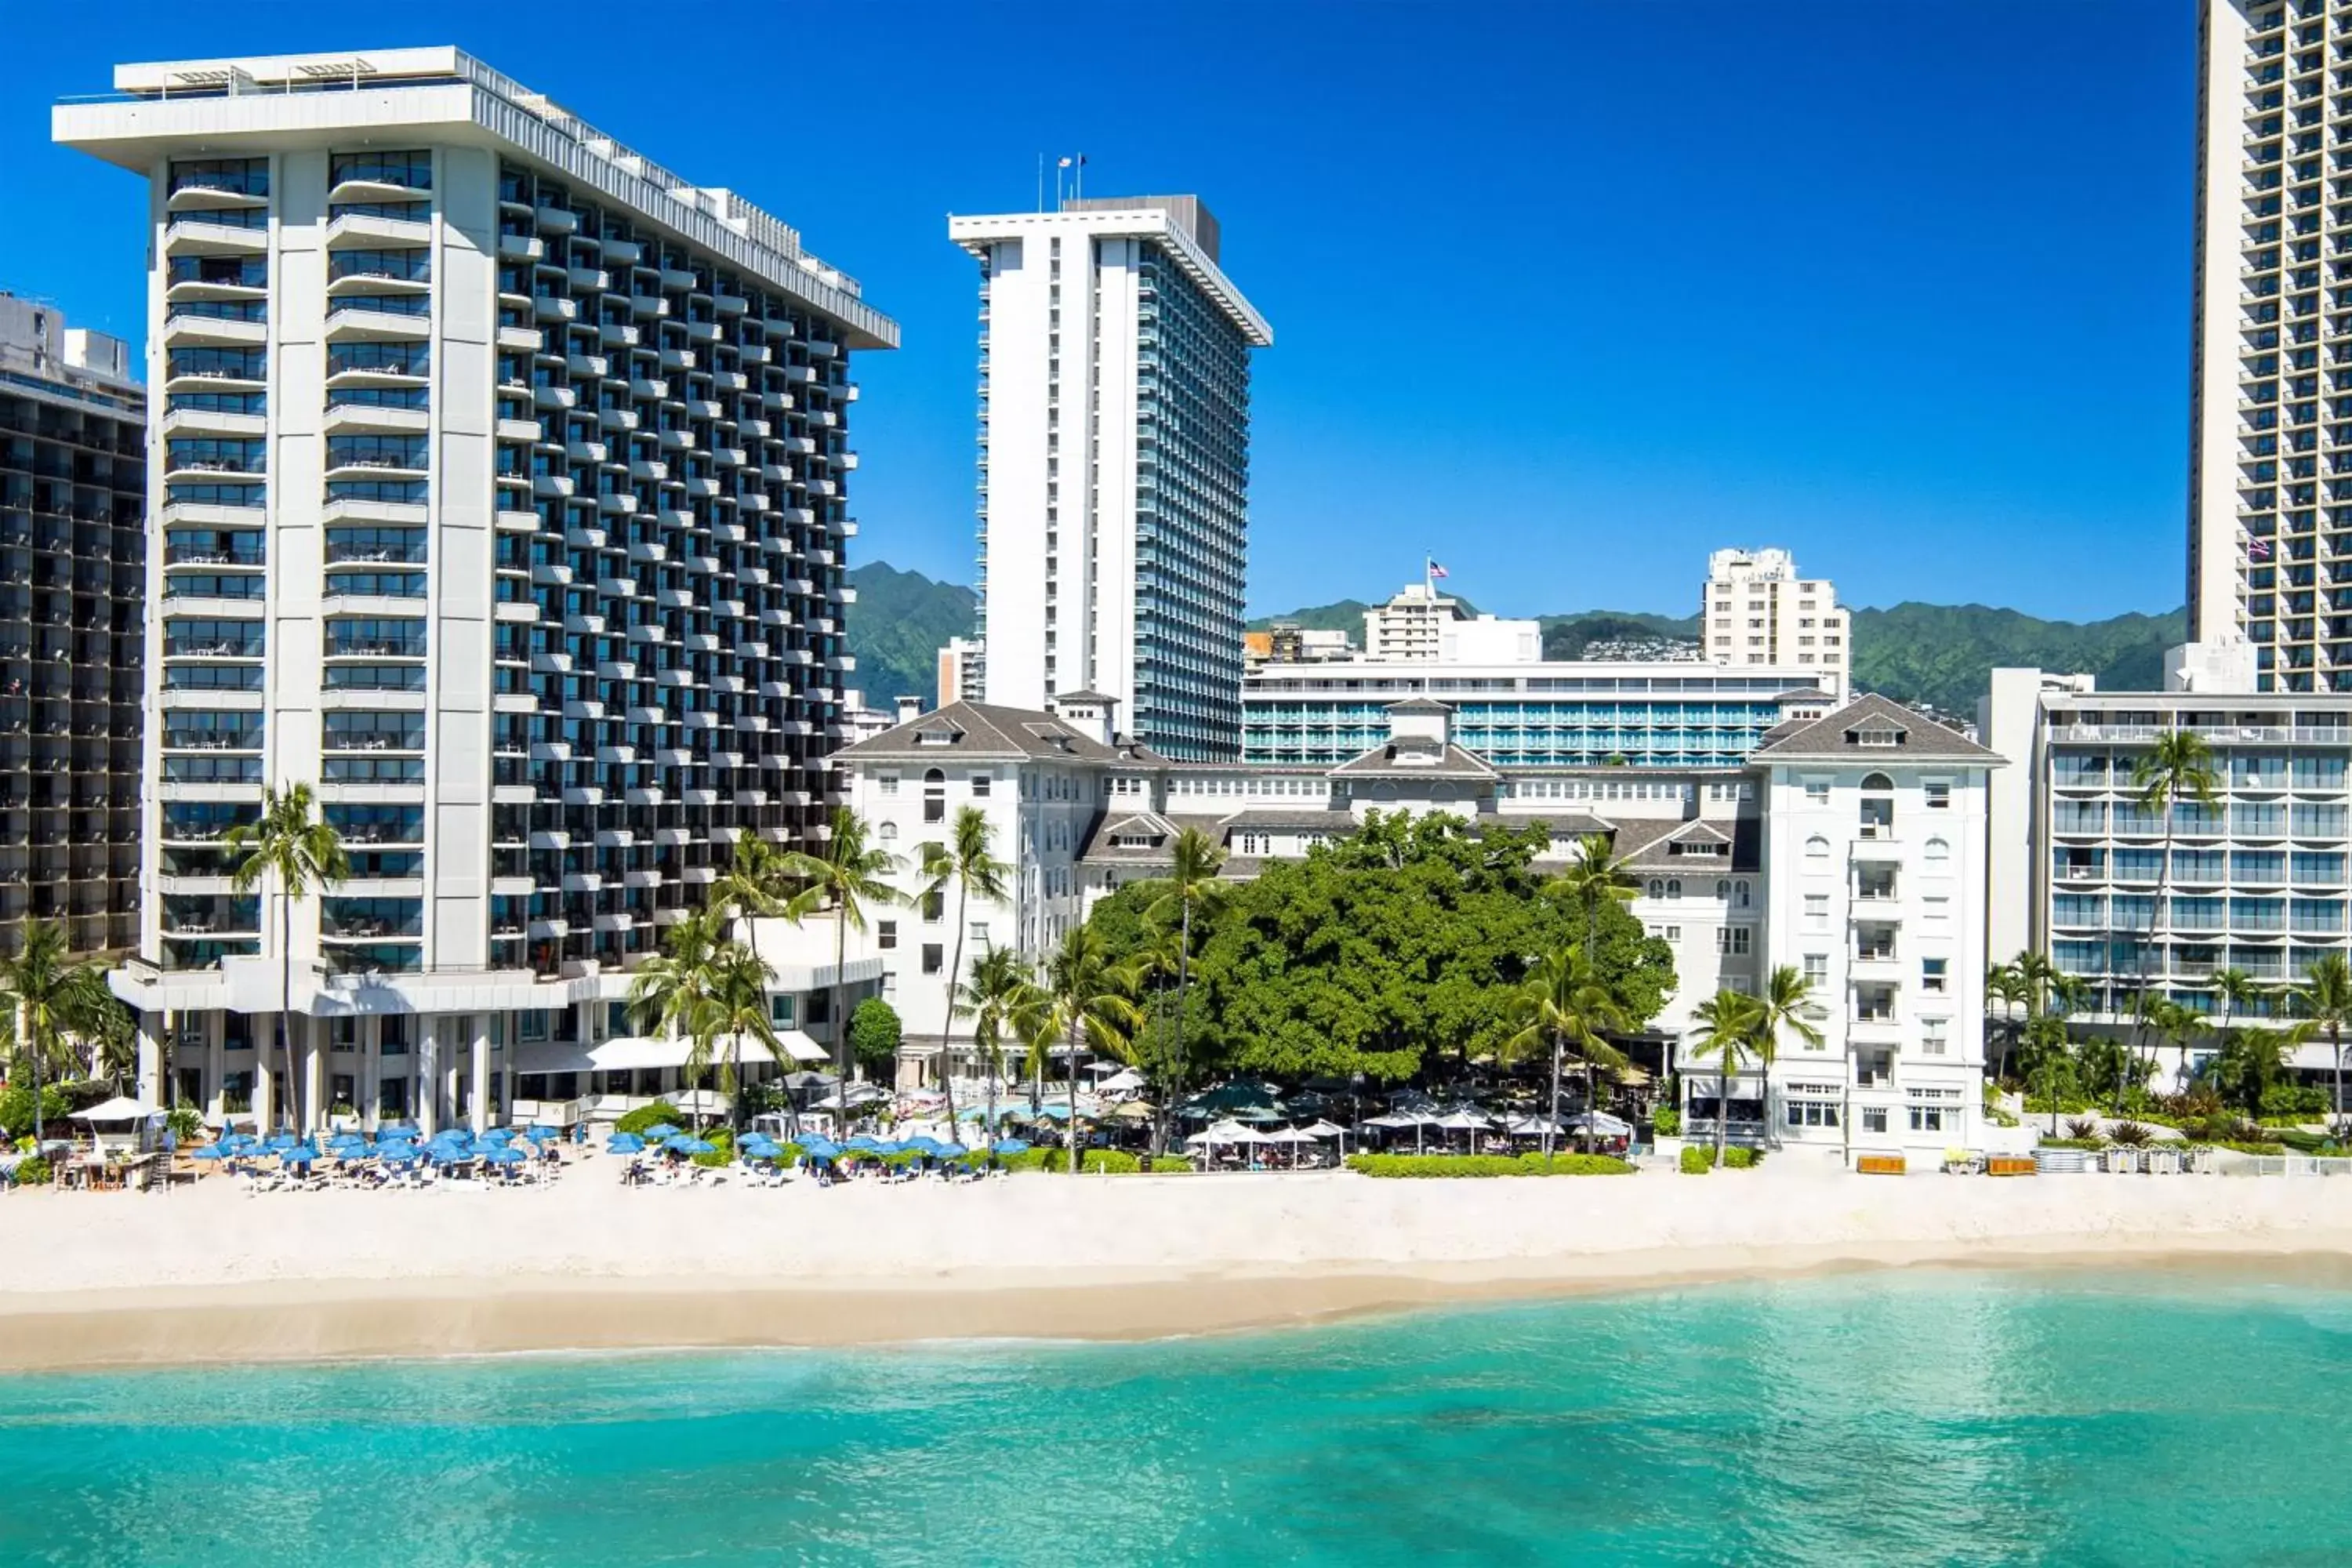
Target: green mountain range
(1936,654)
(898,626)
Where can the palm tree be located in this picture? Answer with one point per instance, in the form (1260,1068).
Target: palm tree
(672,991)
(1785,1003)
(2237,989)
(1728,1031)
(2177,763)
(2042,1050)
(1595,877)
(755,882)
(735,1005)
(847,875)
(2007,984)
(1563,1001)
(300,850)
(51,997)
(1086,997)
(1193,884)
(998,991)
(2325,998)
(968,860)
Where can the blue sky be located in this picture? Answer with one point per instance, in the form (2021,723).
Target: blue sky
(1568,294)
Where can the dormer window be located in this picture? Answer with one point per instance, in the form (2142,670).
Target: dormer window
(937,737)
(1877,733)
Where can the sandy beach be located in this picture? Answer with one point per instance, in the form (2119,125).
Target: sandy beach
(213,1274)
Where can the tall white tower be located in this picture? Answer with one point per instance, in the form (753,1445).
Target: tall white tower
(1754,609)
(2270,401)
(1114,464)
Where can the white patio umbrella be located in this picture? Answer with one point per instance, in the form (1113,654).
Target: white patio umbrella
(1600,1121)
(119,1108)
(1126,1081)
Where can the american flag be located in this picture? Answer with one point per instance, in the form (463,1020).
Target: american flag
(2257,549)
(1434,568)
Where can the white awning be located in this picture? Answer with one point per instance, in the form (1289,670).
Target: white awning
(119,1108)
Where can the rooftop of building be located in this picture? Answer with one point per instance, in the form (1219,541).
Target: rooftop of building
(40,350)
(1168,222)
(977,729)
(232,102)
(1869,727)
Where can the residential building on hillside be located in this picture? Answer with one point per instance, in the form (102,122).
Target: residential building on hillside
(962,670)
(499,490)
(2137,901)
(1674,715)
(1287,642)
(1420,625)
(1754,609)
(73,546)
(1114,463)
(1876,847)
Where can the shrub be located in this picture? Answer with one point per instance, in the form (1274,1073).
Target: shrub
(1096,1161)
(653,1115)
(2083,1126)
(1424,1166)
(722,1149)
(1697,1161)
(2129,1135)
(183,1124)
(2294,1099)
(2073,1143)
(1735,1158)
(1666,1121)
(34,1171)
(16,1106)
(1700,1159)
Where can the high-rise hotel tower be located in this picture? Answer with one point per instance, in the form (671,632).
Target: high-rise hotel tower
(497,489)
(2269,537)
(1114,464)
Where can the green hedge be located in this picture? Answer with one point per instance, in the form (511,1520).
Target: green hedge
(34,1171)
(1699,1158)
(1441,1165)
(1666,1121)
(722,1149)
(1096,1161)
(653,1115)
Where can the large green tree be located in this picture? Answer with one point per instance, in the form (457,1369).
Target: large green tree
(847,875)
(1565,1003)
(2325,1000)
(2177,766)
(50,997)
(1380,953)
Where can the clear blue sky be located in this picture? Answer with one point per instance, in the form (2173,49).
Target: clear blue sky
(1567,293)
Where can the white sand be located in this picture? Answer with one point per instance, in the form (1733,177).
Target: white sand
(213,1273)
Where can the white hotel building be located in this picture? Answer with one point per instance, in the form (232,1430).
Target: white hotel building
(1114,464)
(2270,528)
(497,487)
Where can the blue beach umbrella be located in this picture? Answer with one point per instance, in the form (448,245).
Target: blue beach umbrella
(1011,1146)
(625,1143)
(541,1135)
(210,1152)
(282,1140)
(505,1156)
(298,1155)
(691,1146)
(399,1154)
(950,1150)
(821,1149)
(661,1130)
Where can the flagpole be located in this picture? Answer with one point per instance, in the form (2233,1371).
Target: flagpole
(1040,182)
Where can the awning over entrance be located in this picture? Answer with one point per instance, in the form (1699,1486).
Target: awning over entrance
(626,1053)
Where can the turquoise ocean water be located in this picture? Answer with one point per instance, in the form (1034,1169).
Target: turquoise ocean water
(1916,1418)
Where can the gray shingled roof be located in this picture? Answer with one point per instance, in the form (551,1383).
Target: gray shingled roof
(982,729)
(1448,763)
(1829,737)
(1418,705)
(1648,846)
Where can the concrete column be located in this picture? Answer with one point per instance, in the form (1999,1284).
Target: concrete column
(265,1072)
(215,1063)
(312,1035)
(481,1073)
(151,1058)
(426,1056)
(453,1066)
(369,1070)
